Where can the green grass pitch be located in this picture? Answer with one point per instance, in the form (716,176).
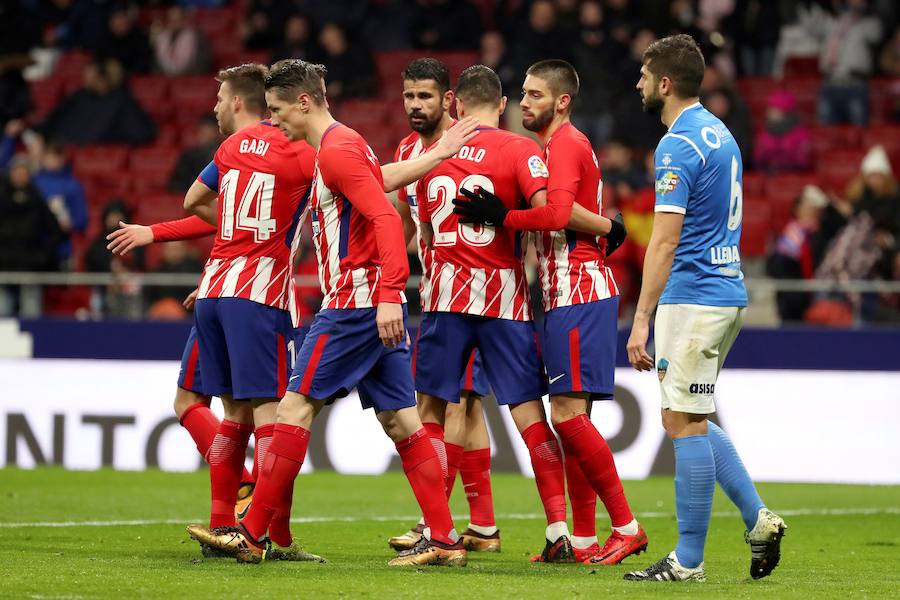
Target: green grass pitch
(842,541)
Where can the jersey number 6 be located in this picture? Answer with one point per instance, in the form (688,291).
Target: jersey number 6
(442,189)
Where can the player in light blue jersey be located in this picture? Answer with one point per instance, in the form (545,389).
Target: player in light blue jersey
(692,271)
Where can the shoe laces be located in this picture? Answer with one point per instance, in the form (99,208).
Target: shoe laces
(663,565)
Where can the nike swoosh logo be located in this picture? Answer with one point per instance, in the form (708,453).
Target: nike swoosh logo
(293,378)
(557,378)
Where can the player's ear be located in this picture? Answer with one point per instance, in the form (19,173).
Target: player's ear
(563,102)
(502,104)
(460,107)
(447,101)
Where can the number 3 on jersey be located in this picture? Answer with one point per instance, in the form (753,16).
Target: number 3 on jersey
(442,189)
(259,191)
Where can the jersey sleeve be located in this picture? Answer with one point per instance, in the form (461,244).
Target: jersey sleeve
(189,228)
(209,176)
(424,214)
(678,163)
(346,168)
(565,166)
(531,170)
(564,176)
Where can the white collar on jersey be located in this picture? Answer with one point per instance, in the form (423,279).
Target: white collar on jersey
(683,110)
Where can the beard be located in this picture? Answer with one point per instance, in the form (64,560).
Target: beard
(539,122)
(425,126)
(653,105)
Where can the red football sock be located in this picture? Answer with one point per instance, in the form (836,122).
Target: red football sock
(546,460)
(435,433)
(202,424)
(582,497)
(226,461)
(596,461)
(476,477)
(422,468)
(454,458)
(283,462)
(280,527)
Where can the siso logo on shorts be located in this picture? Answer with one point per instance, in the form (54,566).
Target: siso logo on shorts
(661,368)
(702,388)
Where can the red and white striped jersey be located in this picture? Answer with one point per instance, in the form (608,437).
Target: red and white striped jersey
(573,267)
(411,147)
(358,234)
(263,180)
(478,269)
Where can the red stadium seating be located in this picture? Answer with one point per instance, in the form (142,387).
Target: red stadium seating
(827,138)
(389,66)
(100,160)
(756,230)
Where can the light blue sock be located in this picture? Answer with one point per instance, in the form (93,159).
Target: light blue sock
(695,482)
(733,477)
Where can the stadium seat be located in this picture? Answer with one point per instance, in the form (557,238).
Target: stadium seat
(801,67)
(756,230)
(45,94)
(389,66)
(832,137)
(149,90)
(887,136)
(839,163)
(66,301)
(806,90)
(160,206)
(883,94)
(753,183)
(99,160)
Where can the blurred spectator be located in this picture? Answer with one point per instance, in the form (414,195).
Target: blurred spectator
(262,27)
(103,111)
(17,36)
(622,19)
(845,59)
(756,27)
(540,37)
(123,297)
(890,66)
(446,25)
(720,98)
(620,172)
(595,52)
(64,195)
(124,41)
(784,144)
(351,71)
(494,55)
(71,24)
(177,257)
(794,254)
(29,233)
(194,159)
(297,41)
(876,193)
(178,45)
(632,125)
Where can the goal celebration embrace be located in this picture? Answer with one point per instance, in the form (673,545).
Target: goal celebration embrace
(474,199)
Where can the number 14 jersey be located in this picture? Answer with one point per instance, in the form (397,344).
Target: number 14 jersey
(263,181)
(478,269)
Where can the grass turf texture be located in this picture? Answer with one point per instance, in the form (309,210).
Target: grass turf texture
(824,555)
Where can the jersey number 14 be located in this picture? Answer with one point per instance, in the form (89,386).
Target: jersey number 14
(256,200)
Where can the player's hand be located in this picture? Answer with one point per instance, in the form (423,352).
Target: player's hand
(637,345)
(128,237)
(456,137)
(616,235)
(482,207)
(190,300)
(389,318)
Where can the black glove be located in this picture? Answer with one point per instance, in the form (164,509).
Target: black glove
(616,235)
(483,207)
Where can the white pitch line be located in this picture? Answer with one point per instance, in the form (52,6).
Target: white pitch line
(796,512)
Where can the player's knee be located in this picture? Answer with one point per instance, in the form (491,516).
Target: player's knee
(294,409)
(432,409)
(184,399)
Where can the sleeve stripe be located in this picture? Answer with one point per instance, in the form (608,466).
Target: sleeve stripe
(689,141)
(670,208)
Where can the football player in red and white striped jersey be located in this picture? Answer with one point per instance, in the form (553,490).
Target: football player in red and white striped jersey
(462,437)
(479,294)
(580,304)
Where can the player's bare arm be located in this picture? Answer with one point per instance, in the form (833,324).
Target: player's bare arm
(409,226)
(657,265)
(404,172)
(201,201)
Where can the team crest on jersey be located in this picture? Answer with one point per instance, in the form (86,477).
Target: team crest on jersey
(661,367)
(667,159)
(537,167)
(667,183)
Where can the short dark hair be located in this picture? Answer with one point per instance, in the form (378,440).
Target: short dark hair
(562,76)
(679,58)
(291,77)
(423,69)
(479,85)
(246,81)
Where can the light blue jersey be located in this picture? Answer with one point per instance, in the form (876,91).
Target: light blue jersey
(699,174)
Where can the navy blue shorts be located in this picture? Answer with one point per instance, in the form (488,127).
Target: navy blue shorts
(509,350)
(580,348)
(245,347)
(473,380)
(342,351)
(189,375)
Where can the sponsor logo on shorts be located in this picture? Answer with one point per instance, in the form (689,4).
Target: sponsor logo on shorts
(702,388)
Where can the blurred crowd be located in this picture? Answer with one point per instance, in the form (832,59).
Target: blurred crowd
(783,76)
